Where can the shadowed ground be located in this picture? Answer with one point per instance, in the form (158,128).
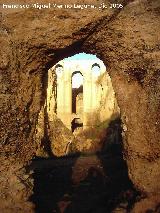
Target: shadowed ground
(93,183)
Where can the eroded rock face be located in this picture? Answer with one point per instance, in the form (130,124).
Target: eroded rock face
(16,187)
(148,204)
(126,40)
(60,137)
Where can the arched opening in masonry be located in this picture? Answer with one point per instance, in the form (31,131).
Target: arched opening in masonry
(59,70)
(96,69)
(77,93)
(76,125)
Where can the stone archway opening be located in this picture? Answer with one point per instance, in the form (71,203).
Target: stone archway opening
(77,93)
(77,125)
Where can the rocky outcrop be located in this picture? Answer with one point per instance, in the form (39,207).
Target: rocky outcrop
(16,187)
(52,137)
(60,138)
(147,204)
(127,40)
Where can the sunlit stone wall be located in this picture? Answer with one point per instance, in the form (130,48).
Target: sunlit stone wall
(99,102)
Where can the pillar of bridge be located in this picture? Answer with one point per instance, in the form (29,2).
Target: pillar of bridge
(64,97)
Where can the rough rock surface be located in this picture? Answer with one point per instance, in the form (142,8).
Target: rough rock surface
(127,40)
(16,187)
(150,204)
(52,137)
(60,138)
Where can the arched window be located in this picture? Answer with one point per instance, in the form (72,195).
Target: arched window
(77,79)
(96,69)
(59,70)
(77,92)
(76,124)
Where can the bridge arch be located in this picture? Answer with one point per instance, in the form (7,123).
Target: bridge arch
(76,124)
(77,82)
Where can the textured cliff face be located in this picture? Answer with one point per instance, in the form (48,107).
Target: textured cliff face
(126,40)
